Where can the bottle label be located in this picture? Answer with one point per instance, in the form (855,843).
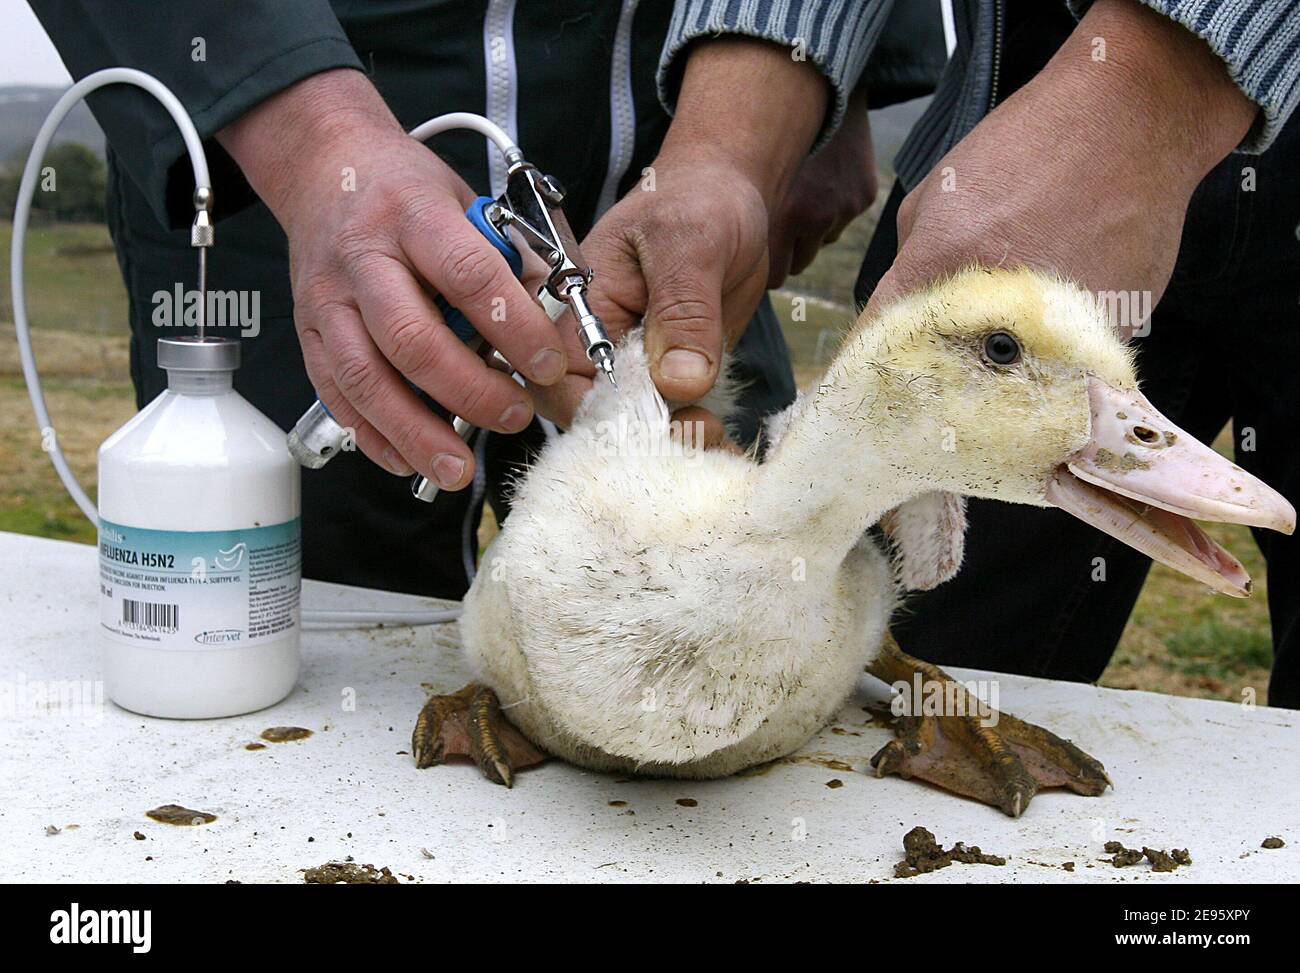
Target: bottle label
(175,589)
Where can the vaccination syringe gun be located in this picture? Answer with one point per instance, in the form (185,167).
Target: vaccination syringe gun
(528,228)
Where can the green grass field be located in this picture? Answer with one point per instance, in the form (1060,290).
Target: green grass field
(1180,640)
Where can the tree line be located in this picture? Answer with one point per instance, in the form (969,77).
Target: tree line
(70,190)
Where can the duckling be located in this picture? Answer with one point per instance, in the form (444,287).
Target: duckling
(658,609)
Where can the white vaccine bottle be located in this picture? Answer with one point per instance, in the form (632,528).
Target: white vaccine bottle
(199,547)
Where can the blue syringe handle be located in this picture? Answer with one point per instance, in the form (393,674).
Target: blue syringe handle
(478,218)
(317,437)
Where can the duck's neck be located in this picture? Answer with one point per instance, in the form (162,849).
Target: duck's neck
(856,449)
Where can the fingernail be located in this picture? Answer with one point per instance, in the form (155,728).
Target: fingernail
(448,469)
(546,365)
(395,464)
(515,417)
(683,365)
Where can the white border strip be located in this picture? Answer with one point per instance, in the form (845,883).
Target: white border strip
(622,109)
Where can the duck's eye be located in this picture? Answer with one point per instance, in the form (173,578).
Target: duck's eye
(1001,348)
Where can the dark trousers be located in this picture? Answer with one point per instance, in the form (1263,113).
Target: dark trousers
(1224,344)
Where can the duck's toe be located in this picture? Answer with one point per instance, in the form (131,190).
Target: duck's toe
(1052,761)
(976,750)
(470,723)
(959,755)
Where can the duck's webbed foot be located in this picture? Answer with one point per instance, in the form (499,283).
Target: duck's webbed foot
(470,723)
(973,749)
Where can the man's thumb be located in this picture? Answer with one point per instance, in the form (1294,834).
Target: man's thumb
(684,336)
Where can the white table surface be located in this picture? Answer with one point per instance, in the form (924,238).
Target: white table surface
(1216,778)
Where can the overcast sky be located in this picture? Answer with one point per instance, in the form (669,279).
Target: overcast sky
(26,54)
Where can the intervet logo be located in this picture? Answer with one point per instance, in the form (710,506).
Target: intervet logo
(117,926)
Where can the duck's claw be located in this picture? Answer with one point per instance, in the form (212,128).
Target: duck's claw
(976,750)
(470,723)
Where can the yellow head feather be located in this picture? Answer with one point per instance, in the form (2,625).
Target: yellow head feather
(975,425)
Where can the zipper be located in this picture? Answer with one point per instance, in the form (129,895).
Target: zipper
(502,83)
(622,109)
(999,15)
(501,107)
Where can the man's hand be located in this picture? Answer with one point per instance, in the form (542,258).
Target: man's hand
(691,257)
(1087,170)
(376,229)
(832,189)
(687,248)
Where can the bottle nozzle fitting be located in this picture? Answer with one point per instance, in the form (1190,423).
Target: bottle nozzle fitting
(202,231)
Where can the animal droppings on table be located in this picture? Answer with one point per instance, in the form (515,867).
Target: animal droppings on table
(830,763)
(178,815)
(922,854)
(823,760)
(1122,857)
(255,746)
(138,836)
(285,734)
(1160,860)
(1273,842)
(349,873)
(834,783)
(687,802)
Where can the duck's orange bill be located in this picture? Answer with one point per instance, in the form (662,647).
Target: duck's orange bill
(1142,480)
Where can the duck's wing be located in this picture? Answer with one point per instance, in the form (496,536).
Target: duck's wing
(635,399)
(929,536)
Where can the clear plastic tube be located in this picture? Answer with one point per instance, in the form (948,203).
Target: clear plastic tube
(22,214)
(464,119)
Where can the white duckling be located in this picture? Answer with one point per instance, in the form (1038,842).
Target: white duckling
(676,612)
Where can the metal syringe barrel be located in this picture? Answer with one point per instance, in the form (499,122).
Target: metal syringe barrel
(316,437)
(591,330)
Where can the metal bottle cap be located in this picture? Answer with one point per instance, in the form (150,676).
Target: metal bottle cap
(193,355)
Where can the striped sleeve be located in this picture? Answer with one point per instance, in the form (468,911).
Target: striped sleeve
(1258,40)
(835,35)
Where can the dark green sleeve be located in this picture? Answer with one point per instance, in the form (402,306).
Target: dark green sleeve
(220,58)
(909,57)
